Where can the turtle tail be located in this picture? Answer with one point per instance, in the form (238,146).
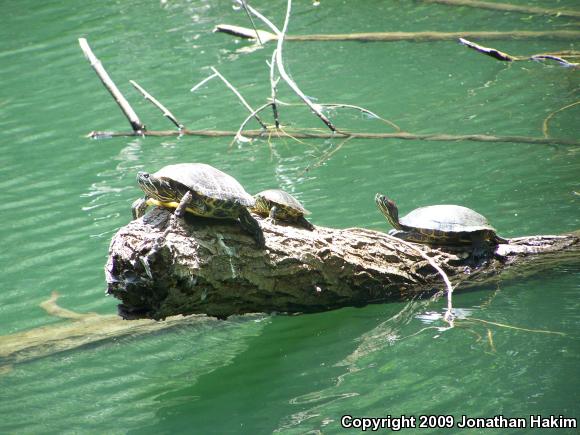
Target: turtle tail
(303,222)
(500,240)
(251,226)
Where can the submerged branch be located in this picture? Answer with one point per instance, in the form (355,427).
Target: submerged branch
(551,115)
(300,134)
(265,36)
(506,7)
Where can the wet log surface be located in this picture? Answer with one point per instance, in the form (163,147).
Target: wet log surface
(213,267)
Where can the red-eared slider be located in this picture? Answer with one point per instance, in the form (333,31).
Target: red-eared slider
(439,224)
(280,205)
(214,194)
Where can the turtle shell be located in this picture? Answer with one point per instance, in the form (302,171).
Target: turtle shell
(280,197)
(207,181)
(446,218)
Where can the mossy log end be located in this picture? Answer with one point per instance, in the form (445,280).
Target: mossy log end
(213,267)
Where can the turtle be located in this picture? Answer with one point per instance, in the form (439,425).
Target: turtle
(439,225)
(199,189)
(280,205)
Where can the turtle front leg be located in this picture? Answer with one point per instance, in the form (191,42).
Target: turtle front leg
(138,207)
(251,225)
(185,201)
(273,214)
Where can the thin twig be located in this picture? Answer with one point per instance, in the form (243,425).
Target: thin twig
(560,60)
(517,328)
(492,52)
(126,108)
(157,104)
(239,135)
(273,85)
(449,313)
(279,63)
(242,99)
(500,55)
(551,115)
(325,157)
(362,109)
(251,21)
(203,82)
(286,77)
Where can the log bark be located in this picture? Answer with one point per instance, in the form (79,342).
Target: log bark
(213,267)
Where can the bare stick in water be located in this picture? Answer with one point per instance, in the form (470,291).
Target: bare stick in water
(500,55)
(449,312)
(273,87)
(157,104)
(551,115)
(203,82)
(280,64)
(239,135)
(303,134)
(128,111)
(251,21)
(244,32)
(506,7)
(240,97)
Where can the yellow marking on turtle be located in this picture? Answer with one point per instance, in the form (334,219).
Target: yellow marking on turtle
(210,203)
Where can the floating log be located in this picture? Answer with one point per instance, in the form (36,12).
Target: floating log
(298,134)
(213,267)
(265,36)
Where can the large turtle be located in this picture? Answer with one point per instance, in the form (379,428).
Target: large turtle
(280,205)
(200,189)
(439,224)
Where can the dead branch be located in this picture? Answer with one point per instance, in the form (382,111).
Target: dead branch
(203,82)
(239,135)
(551,115)
(240,97)
(301,134)
(126,108)
(505,7)
(213,267)
(244,32)
(500,55)
(273,90)
(157,104)
(280,64)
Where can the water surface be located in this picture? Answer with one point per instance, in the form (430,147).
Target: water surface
(64,196)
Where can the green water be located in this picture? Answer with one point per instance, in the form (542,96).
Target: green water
(64,196)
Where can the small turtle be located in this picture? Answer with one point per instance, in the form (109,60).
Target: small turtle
(439,224)
(204,190)
(280,205)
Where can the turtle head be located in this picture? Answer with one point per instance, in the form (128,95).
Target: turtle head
(389,209)
(156,187)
